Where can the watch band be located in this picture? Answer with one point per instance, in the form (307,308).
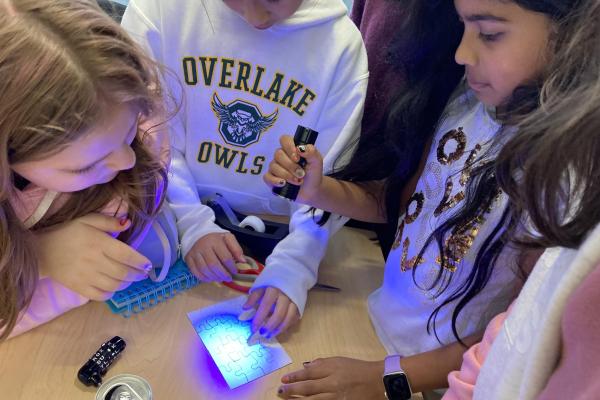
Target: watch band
(392,364)
(395,381)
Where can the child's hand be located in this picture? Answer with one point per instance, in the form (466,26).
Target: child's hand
(335,378)
(83,256)
(213,257)
(284,168)
(275,312)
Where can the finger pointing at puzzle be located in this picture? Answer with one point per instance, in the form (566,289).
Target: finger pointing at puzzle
(275,312)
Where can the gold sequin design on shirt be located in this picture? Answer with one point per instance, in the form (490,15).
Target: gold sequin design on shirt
(460,138)
(465,174)
(419,198)
(409,263)
(462,237)
(405,262)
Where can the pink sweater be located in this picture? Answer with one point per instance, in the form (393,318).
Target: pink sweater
(461,383)
(576,377)
(50,298)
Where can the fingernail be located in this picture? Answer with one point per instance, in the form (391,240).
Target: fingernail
(123,221)
(302,148)
(300,173)
(305,363)
(253,339)
(148,267)
(247,314)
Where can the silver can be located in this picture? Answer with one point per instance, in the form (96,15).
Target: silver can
(125,387)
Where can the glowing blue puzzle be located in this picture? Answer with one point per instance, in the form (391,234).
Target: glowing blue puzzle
(225,338)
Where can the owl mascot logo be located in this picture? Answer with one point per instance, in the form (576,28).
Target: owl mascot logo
(241,123)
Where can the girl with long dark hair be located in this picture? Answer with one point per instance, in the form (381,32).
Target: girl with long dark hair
(440,287)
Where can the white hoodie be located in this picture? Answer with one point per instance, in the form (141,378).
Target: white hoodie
(244,88)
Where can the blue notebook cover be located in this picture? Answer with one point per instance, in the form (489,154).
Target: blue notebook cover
(147,293)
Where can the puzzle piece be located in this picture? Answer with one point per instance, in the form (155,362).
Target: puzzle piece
(225,338)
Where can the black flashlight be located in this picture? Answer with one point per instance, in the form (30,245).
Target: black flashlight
(93,370)
(303,136)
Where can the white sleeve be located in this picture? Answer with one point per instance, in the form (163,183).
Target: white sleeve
(293,265)
(194,220)
(141,22)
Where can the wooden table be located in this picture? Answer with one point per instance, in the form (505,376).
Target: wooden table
(163,347)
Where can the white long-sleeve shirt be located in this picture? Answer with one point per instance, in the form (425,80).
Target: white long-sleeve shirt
(243,89)
(401,307)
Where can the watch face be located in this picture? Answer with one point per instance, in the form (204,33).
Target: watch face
(397,387)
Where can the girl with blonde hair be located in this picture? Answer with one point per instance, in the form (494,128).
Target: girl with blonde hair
(81,179)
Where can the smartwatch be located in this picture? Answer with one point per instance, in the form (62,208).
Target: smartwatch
(395,380)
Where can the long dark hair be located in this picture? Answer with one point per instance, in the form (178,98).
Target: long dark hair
(551,170)
(490,178)
(423,51)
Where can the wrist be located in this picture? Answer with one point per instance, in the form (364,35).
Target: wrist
(377,371)
(317,197)
(395,380)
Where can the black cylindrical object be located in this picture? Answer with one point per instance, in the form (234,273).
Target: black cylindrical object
(93,370)
(303,136)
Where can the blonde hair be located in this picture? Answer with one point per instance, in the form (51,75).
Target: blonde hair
(64,63)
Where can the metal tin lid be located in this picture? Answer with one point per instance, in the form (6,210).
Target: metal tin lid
(305,135)
(125,387)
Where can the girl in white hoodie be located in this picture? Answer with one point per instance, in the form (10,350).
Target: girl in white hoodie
(252,71)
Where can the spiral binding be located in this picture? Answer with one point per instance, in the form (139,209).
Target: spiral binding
(140,296)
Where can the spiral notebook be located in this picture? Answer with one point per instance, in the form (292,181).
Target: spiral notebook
(145,294)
